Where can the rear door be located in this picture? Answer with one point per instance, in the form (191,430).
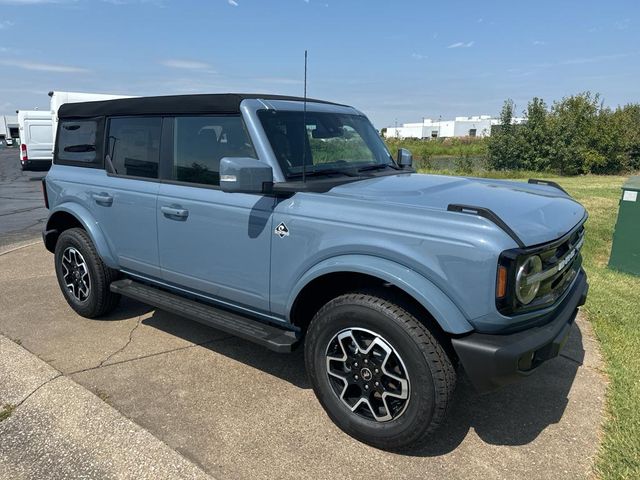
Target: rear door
(209,241)
(123,204)
(38,137)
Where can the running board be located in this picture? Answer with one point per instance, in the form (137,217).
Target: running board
(274,338)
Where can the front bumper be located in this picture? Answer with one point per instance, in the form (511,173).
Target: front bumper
(491,361)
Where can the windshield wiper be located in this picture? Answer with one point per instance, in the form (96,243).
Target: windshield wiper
(328,171)
(377,166)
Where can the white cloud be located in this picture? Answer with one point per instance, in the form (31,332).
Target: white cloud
(539,42)
(185,64)
(596,59)
(33,2)
(419,56)
(43,67)
(461,45)
(6,24)
(233,3)
(622,24)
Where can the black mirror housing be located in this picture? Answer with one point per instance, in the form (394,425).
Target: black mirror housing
(405,158)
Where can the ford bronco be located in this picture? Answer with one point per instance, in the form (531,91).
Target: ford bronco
(286,221)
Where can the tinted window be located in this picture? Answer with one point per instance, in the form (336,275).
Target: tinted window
(201,142)
(77,142)
(134,146)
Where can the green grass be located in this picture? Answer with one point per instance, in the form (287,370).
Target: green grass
(613,308)
(6,411)
(455,147)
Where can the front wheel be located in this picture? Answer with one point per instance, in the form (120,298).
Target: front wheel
(379,373)
(83,278)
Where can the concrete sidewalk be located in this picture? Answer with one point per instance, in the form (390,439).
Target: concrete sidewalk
(58,429)
(240,411)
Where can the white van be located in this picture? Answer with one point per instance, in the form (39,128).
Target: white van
(60,98)
(36,139)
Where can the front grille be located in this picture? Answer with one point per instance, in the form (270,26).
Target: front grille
(555,286)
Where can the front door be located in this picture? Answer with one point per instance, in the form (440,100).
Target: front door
(212,242)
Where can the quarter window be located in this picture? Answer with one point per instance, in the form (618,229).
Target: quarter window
(77,143)
(201,142)
(134,145)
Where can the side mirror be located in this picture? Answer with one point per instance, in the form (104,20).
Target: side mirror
(245,175)
(405,158)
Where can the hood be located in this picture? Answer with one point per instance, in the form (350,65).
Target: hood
(536,213)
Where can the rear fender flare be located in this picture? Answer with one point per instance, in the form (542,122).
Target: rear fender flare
(91,226)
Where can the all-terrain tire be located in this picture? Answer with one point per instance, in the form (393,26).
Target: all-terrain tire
(430,372)
(99,300)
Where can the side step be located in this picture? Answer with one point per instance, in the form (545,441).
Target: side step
(274,338)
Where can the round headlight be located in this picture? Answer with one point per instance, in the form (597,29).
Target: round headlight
(527,291)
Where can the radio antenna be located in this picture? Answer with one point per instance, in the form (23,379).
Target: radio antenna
(304,124)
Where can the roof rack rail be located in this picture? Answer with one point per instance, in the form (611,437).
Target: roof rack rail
(549,183)
(489,215)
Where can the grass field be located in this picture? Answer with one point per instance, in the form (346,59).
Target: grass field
(613,307)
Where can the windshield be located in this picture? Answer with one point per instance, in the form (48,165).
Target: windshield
(329,143)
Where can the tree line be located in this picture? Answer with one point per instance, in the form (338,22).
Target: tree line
(575,135)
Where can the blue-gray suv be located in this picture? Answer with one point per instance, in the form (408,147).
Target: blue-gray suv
(285,220)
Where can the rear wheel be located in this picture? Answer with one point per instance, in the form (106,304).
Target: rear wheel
(378,372)
(83,278)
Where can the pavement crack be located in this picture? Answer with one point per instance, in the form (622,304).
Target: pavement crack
(164,352)
(38,388)
(111,355)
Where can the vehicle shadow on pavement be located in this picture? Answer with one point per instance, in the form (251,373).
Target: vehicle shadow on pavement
(127,309)
(514,415)
(287,367)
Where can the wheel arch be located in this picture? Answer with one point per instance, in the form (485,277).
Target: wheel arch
(71,215)
(338,275)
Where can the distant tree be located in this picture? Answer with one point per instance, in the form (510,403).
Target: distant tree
(574,134)
(505,147)
(536,136)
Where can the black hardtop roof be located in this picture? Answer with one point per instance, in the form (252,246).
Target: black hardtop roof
(169,105)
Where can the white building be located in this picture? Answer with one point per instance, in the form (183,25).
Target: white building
(474,126)
(8,127)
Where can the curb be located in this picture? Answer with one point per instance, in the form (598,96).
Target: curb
(51,427)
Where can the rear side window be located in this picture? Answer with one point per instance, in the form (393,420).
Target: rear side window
(201,142)
(134,145)
(76,143)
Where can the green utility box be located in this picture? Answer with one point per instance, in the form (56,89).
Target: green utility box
(625,253)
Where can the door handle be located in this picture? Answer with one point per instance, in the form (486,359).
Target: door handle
(102,198)
(175,212)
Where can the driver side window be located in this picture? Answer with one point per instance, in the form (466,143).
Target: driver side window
(200,142)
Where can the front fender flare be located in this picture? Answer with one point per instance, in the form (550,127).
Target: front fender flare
(90,224)
(445,312)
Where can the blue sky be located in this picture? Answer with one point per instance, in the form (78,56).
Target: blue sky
(394,60)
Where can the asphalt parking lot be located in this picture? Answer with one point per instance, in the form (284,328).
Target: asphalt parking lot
(240,411)
(21,207)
